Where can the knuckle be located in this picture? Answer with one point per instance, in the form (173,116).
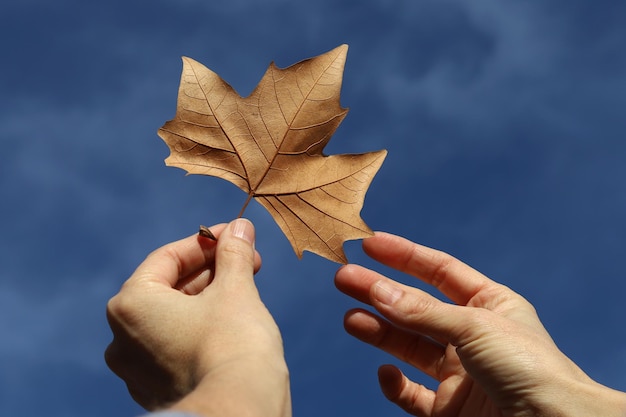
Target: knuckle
(441,267)
(115,305)
(235,248)
(413,349)
(121,309)
(381,336)
(418,305)
(477,324)
(111,357)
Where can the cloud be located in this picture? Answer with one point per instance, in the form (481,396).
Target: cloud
(506,148)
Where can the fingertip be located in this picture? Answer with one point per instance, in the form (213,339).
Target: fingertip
(391,381)
(356,281)
(374,241)
(351,318)
(413,398)
(244,229)
(364,325)
(258,262)
(343,274)
(235,255)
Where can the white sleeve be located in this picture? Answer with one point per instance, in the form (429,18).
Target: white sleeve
(169,414)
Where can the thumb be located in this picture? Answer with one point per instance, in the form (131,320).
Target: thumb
(234,253)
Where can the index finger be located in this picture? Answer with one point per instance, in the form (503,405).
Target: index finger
(456,280)
(177,260)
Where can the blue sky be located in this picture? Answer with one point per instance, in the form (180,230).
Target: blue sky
(504,123)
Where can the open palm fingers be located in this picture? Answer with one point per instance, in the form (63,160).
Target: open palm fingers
(419,351)
(412,397)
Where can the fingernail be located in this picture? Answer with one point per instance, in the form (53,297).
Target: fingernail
(243,229)
(386,293)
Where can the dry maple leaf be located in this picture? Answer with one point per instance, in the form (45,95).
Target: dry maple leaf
(270,145)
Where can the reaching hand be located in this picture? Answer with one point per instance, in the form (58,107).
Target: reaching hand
(191,332)
(488,350)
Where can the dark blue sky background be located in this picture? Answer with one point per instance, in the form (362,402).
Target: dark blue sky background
(505,125)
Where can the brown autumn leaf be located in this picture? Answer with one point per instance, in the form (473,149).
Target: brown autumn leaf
(270,145)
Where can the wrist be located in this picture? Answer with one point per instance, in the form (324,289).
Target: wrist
(607,402)
(585,399)
(250,387)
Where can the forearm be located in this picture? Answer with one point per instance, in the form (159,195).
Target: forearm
(604,402)
(587,399)
(616,400)
(245,388)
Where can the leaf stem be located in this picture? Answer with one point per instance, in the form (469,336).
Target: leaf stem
(245,205)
